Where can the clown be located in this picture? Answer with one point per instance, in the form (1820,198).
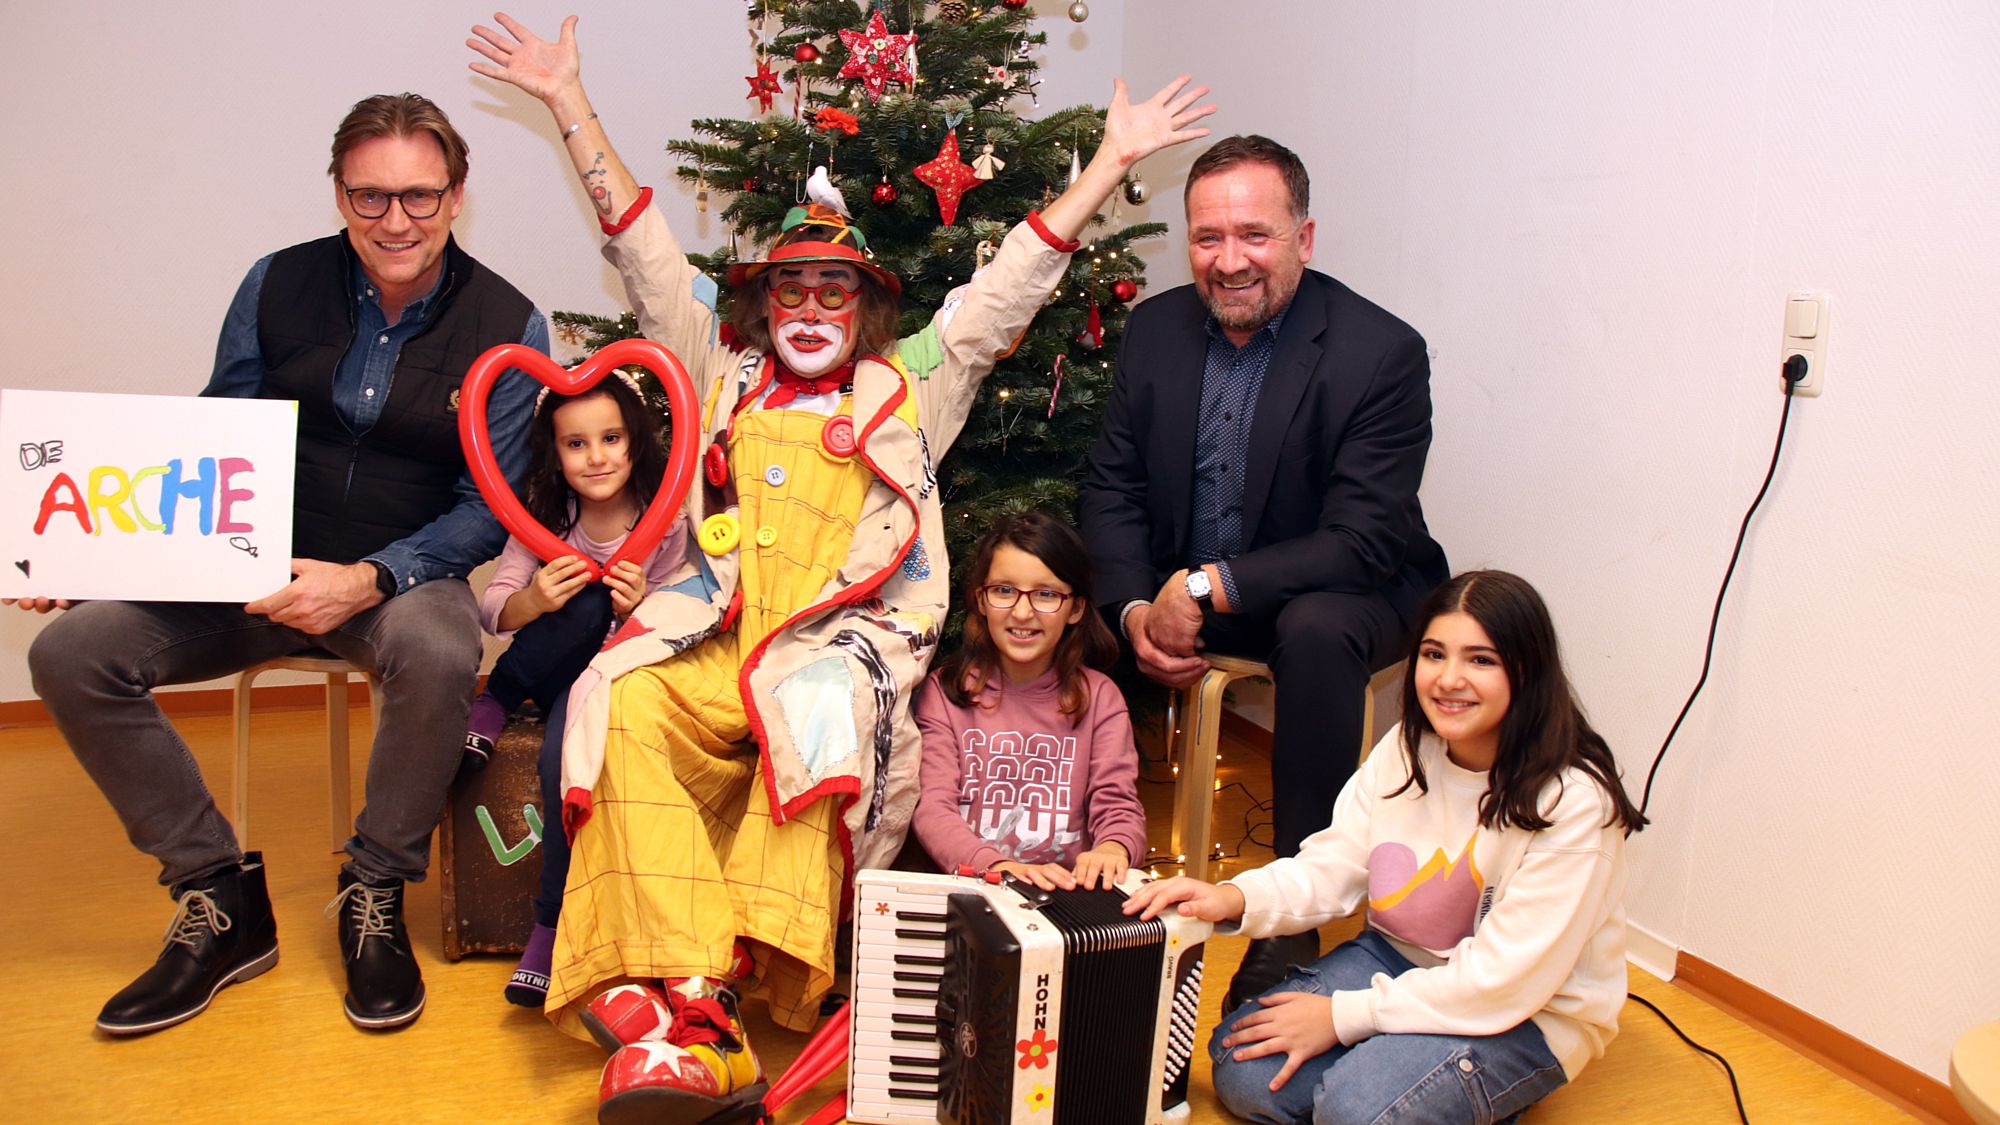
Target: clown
(744,743)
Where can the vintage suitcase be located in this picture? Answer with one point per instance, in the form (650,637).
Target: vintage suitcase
(489,847)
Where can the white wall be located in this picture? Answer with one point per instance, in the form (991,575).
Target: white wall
(1593,212)
(156,151)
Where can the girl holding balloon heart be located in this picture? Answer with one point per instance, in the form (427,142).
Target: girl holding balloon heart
(595,459)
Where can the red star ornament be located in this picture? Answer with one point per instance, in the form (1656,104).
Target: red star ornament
(948,176)
(877,57)
(763,85)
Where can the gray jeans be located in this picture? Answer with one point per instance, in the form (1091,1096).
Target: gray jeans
(96,665)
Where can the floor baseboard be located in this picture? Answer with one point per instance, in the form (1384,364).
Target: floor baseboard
(1650,951)
(1887,1077)
(205,701)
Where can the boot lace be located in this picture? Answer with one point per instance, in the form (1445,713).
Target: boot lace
(196,916)
(374,911)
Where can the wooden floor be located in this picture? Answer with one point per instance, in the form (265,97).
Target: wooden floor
(86,917)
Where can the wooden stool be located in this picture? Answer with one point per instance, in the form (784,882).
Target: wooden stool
(1975,1073)
(1192,742)
(336,670)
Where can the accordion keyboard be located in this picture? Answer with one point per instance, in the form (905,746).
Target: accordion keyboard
(898,960)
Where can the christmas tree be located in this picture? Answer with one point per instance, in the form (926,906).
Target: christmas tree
(968,74)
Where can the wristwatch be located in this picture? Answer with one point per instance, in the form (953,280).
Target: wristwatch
(1201,589)
(384,580)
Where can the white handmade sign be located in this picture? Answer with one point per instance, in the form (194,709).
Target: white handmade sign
(145,497)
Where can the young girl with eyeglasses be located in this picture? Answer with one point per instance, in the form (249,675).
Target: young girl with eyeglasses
(1028,762)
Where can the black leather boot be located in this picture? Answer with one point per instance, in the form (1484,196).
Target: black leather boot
(384,987)
(1266,962)
(222,933)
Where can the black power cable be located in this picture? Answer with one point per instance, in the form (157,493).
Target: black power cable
(1715,617)
(1794,371)
(1734,1090)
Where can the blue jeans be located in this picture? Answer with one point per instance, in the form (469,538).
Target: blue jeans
(1442,1079)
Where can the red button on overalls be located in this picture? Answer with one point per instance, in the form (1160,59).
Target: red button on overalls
(838,437)
(716,465)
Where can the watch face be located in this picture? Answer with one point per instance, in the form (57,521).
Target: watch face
(1198,584)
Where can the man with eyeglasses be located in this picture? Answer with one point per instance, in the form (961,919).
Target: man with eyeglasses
(1254,486)
(369,331)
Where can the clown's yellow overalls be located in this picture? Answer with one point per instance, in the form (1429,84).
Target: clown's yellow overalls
(680,856)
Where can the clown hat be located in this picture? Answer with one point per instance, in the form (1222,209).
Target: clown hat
(816,233)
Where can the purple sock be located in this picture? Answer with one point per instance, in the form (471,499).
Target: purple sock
(529,986)
(487,718)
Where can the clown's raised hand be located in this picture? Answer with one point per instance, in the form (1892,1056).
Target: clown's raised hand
(1136,130)
(552,71)
(521,58)
(1132,131)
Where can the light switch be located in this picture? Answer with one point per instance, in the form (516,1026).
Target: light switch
(1802,318)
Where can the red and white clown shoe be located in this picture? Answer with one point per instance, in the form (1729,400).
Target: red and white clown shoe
(702,1070)
(630,1013)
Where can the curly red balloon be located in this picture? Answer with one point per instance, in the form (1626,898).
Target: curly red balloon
(507,507)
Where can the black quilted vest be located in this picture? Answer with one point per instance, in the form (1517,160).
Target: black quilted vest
(357,493)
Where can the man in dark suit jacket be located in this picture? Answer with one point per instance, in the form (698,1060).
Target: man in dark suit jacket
(1254,486)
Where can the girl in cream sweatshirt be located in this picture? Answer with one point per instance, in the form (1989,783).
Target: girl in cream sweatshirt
(1486,834)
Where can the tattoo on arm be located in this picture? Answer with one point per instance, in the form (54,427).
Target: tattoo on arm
(594,179)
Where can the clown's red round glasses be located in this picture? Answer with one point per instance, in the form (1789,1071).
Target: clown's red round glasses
(830,295)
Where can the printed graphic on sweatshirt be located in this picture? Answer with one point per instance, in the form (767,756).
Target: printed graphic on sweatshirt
(1018,793)
(1434,905)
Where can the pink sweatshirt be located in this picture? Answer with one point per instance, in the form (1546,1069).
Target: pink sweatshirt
(1012,778)
(518,566)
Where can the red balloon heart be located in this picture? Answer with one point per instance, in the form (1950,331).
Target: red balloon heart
(681,408)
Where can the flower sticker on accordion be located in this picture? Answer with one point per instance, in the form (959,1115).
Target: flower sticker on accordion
(1039,1096)
(1036,1050)
(146,497)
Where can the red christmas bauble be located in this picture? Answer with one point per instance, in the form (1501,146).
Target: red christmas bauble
(885,194)
(1015,4)
(1124,289)
(752,184)
(805,53)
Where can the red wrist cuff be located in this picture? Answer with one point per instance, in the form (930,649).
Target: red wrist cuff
(1060,245)
(631,213)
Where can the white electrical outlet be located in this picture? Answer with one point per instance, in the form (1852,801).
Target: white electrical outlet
(1808,318)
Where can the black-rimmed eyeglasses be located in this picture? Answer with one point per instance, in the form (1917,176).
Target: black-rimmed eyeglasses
(1041,600)
(373,203)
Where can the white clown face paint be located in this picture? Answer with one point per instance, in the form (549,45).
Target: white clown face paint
(812,340)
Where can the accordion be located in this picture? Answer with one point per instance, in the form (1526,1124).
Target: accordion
(980,1001)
